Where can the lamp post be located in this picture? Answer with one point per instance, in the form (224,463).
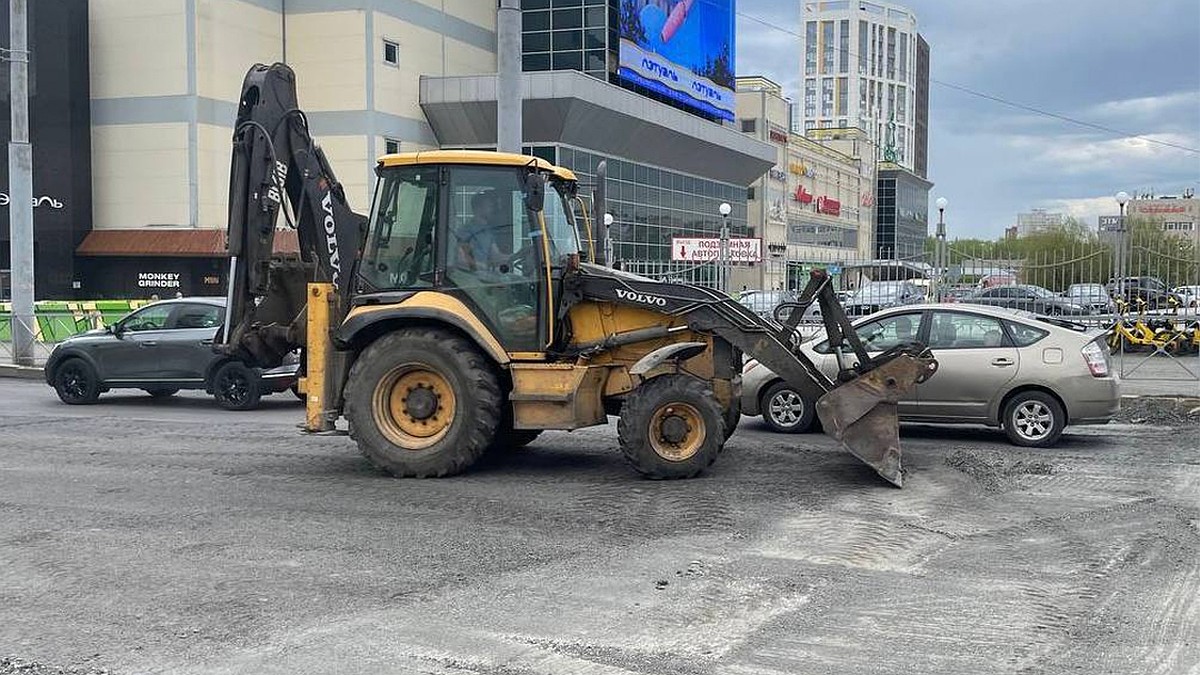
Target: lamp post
(723,273)
(608,242)
(940,261)
(1122,198)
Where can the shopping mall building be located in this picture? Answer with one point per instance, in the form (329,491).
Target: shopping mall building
(155,92)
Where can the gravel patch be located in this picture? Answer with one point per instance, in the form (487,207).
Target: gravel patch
(1160,411)
(11,665)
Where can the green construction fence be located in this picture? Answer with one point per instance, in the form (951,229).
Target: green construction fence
(57,320)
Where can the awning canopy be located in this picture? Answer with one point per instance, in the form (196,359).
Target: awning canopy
(571,108)
(181,243)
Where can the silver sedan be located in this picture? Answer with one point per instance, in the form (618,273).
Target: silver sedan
(1030,375)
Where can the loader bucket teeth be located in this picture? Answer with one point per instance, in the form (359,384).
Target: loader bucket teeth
(862,413)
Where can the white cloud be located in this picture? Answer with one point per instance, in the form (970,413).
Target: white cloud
(1084,209)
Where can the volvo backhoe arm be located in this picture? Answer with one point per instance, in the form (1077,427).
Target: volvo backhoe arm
(859,409)
(277,166)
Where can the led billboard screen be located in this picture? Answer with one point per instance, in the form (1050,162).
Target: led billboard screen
(682,49)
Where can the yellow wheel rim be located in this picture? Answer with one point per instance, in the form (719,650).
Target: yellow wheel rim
(414,406)
(677,431)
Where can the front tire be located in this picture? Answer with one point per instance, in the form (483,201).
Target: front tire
(76,382)
(671,427)
(422,402)
(1034,419)
(236,387)
(785,411)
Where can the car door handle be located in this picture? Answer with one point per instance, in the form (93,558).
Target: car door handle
(1002,362)
(206,342)
(148,343)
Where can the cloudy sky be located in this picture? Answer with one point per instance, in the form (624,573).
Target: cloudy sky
(1129,66)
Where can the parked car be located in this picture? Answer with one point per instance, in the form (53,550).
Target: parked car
(1145,292)
(1092,296)
(161,348)
(1030,375)
(1189,296)
(1029,298)
(876,295)
(763,303)
(958,293)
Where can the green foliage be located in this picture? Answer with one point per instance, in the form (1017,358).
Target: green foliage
(1074,254)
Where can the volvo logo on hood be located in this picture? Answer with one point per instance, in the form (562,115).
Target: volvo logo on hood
(644,298)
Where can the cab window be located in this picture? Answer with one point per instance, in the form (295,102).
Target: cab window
(400,248)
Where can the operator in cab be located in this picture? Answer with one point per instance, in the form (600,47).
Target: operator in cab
(477,247)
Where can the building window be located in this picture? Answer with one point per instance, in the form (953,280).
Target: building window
(391,146)
(391,53)
(749,126)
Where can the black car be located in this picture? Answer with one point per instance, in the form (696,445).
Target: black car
(1029,298)
(1145,292)
(161,348)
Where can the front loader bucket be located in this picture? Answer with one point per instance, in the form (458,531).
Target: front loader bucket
(862,412)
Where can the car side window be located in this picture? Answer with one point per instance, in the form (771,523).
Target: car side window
(153,317)
(1024,335)
(890,331)
(196,316)
(953,330)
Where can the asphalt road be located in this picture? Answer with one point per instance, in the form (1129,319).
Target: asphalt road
(142,537)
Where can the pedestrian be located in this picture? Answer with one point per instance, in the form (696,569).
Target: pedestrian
(178,294)
(154,297)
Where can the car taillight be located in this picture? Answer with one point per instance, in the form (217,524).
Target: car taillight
(1096,358)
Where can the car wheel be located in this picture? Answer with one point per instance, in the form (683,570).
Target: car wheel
(236,387)
(162,392)
(786,411)
(76,382)
(1033,419)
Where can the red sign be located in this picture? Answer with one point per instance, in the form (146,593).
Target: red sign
(829,206)
(868,199)
(778,137)
(802,195)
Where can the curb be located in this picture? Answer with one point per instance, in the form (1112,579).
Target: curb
(21,372)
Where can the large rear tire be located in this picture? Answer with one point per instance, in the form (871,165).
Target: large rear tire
(671,427)
(422,402)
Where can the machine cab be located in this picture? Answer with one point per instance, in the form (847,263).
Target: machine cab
(494,230)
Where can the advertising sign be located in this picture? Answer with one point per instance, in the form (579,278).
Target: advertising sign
(776,206)
(829,206)
(1110,223)
(682,49)
(695,249)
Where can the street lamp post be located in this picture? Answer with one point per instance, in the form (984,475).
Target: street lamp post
(608,242)
(1122,198)
(723,273)
(940,262)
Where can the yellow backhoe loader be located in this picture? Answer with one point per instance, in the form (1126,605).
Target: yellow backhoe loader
(473,309)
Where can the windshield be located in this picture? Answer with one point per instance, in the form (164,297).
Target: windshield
(560,222)
(1040,292)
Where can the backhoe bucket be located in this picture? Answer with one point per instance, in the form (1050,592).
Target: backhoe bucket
(862,412)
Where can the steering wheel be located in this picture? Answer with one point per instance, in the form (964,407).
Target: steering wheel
(515,263)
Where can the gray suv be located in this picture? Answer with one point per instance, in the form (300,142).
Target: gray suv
(161,348)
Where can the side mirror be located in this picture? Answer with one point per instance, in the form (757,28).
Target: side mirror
(535,191)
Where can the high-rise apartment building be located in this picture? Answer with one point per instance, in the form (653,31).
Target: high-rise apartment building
(1038,221)
(864,65)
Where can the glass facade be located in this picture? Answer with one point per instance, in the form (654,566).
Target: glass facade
(650,205)
(568,35)
(901,215)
